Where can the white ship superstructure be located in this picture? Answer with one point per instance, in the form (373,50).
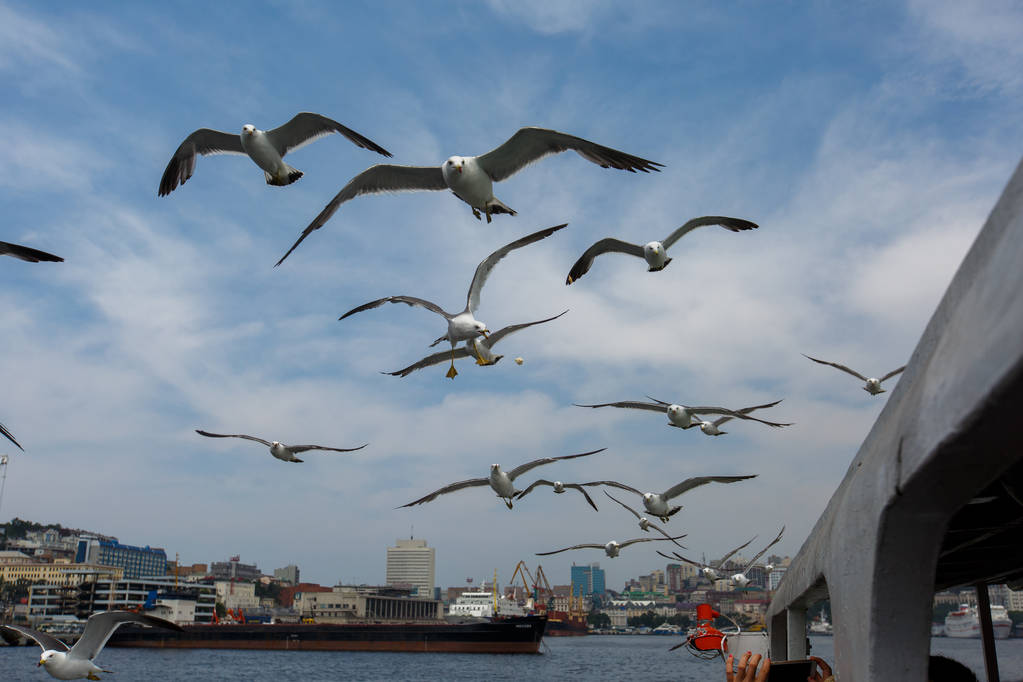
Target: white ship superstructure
(480,604)
(965,622)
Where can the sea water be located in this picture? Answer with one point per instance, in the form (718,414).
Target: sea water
(617,658)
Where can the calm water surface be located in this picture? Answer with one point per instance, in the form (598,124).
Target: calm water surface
(616,658)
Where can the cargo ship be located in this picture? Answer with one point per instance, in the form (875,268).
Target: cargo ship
(508,635)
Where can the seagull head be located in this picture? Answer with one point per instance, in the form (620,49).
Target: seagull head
(740,579)
(455,164)
(248,129)
(275,443)
(495,468)
(559,487)
(47,656)
(709,573)
(481,328)
(644,523)
(648,498)
(680,415)
(612,549)
(653,248)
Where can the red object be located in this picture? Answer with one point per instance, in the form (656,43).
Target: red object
(707,637)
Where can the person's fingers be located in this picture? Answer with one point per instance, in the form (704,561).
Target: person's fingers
(751,668)
(762,675)
(730,669)
(741,668)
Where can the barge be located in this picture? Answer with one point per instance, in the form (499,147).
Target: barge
(509,635)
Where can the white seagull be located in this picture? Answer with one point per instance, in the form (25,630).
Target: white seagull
(559,488)
(873,386)
(740,578)
(265,148)
(644,523)
(688,416)
(501,482)
(655,253)
(277,449)
(710,571)
(462,326)
(472,178)
(26,253)
(612,548)
(479,349)
(657,503)
(10,436)
(75,663)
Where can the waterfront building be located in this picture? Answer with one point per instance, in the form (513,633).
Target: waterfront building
(234,594)
(774,579)
(343,604)
(102,594)
(136,561)
(587,580)
(234,569)
(411,562)
(289,574)
(60,572)
(10,556)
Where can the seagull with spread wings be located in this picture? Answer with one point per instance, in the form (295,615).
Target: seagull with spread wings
(612,548)
(479,349)
(28,254)
(710,571)
(688,416)
(873,386)
(645,524)
(657,503)
(559,487)
(463,326)
(740,578)
(472,178)
(265,148)
(10,436)
(501,482)
(279,450)
(655,253)
(75,663)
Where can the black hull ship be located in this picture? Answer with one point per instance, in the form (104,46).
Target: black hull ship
(500,636)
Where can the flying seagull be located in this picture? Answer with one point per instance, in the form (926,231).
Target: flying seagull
(657,503)
(472,178)
(740,578)
(644,523)
(873,386)
(278,449)
(27,254)
(9,436)
(612,548)
(74,663)
(479,349)
(559,488)
(709,571)
(462,326)
(688,416)
(265,148)
(502,483)
(655,253)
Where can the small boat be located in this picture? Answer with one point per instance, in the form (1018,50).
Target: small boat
(965,622)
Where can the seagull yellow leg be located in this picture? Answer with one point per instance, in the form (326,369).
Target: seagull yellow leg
(452,373)
(93,676)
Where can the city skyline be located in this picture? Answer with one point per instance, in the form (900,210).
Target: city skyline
(867,142)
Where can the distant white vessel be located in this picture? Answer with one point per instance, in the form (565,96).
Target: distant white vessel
(821,626)
(965,622)
(480,604)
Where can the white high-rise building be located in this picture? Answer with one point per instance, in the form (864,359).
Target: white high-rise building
(411,562)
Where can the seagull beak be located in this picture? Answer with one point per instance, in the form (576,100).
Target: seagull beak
(485,333)
(459,167)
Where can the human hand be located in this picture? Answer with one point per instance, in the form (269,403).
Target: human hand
(820,672)
(746,671)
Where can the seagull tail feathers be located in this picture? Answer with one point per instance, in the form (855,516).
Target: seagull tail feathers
(495,206)
(289,176)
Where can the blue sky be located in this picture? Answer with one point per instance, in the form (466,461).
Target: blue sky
(869,142)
